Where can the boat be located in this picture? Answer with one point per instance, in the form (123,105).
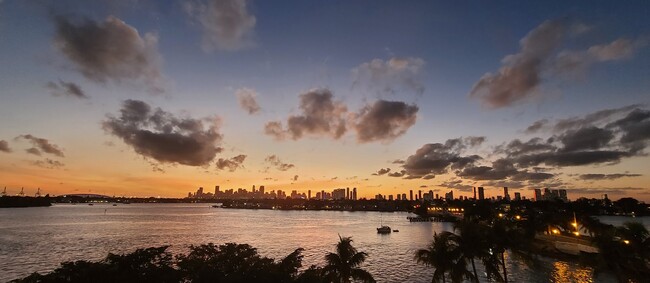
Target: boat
(395,230)
(115,204)
(383,230)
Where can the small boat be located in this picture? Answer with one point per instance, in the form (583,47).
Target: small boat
(90,204)
(383,230)
(115,204)
(395,230)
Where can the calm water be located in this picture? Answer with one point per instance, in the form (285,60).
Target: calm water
(38,239)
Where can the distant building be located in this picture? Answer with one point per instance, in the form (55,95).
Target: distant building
(411,194)
(517,196)
(354,193)
(449,195)
(481,193)
(390,197)
(506,196)
(404,196)
(563,195)
(538,195)
(474,193)
(309,194)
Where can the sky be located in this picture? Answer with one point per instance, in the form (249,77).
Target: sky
(158,98)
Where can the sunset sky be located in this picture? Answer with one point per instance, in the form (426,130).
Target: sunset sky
(158,98)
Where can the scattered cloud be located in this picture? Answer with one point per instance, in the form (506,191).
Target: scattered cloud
(231,163)
(247,100)
(227,24)
(538,59)
(397,174)
(390,76)
(295,178)
(593,177)
(437,158)
(63,88)
(520,73)
(321,116)
(41,145)
(456,185)
(536,126)
(164,137)
(48,164)
(580,61)
(275,161)
(110,50)
(381,172)
(609,190)
(384,121)
(4,146)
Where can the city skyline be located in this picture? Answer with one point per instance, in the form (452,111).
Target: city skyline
(158,98)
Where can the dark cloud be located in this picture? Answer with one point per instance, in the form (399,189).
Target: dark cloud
(321,116)
(520,73)
(397,174)
(384,121)
(500,169)
(227,24)
(41,145)
(536,126)
(110,50)
(585,139)
(231,163)
(595,118)
(48,164)
(381,172)
(635,128)
(437,158)
(457,185)
(63,88)
(390,76)
(4,146)
(398,161)
(160,135)
(275,161)
(532,177)
(247,100)
(608,190)
(295,178)
(505,183)
(606,176)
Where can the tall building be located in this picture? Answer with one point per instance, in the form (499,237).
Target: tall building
(449,195)
(354,193)
(216,191)
(347,193)
(411,194)
(404,196)
(474,193)
(538,195)
(517,196)
(262,190)
(563,195)
(419,194)
(481,193)
(309,194)
(506,196)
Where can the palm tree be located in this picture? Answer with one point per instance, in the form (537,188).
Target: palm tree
(442,254)
(471,242)
(343,266)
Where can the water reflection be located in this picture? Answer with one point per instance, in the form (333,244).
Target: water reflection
(38,239)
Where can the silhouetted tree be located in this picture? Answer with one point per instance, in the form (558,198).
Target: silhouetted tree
(343,266)
(442,254)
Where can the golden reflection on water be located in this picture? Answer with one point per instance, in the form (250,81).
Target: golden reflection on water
(562,272)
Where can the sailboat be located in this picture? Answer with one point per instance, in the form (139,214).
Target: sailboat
(383,229)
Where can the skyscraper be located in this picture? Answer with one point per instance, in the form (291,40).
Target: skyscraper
(481,193)
(517,196)
(309,194)
(538,195)
(347,193)
(354,193)
(506,196)
(411,194)
(474,193)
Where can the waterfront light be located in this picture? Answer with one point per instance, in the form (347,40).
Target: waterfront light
(518,217)
(627,242)
(555,231)
(576,233)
